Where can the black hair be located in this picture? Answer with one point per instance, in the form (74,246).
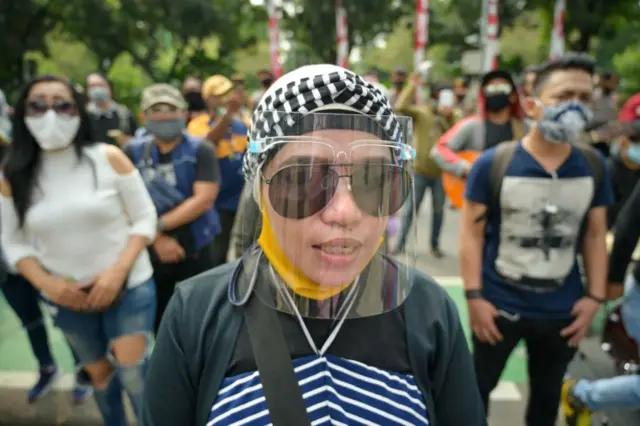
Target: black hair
(568,61)
(23,159)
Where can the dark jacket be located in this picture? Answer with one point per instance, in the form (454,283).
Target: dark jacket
(200,329)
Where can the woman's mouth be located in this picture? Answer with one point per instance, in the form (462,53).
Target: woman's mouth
(338,252)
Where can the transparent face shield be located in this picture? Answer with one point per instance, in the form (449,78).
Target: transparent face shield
(330,196)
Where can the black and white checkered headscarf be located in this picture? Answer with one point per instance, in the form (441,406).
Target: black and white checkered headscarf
(312,88)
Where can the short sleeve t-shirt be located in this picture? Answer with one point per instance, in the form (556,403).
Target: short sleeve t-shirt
(530,263)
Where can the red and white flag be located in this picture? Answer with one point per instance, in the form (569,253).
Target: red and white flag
(491,43)
(342,35)
(557,34)
(421,38)
(274,39)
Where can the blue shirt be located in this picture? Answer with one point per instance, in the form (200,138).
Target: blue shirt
(530,263)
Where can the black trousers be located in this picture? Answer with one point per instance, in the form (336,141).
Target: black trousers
(548,359)
(167,275)
(223,239)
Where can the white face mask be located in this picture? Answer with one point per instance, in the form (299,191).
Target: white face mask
(52,131)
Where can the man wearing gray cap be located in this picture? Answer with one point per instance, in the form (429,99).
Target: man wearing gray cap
(183,179)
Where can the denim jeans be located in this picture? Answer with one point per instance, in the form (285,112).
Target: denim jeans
(621,391)
(91,336)
(422,183)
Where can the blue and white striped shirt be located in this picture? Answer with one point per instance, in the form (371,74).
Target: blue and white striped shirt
(336,391)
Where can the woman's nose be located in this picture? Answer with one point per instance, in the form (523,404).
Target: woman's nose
(342,208)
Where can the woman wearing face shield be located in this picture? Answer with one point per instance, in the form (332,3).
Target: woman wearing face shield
(317,323)
(76,221)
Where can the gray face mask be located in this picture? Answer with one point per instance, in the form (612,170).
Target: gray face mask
(98,94)
(166,130)
(563,123)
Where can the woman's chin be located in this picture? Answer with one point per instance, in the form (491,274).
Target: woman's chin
(334,277)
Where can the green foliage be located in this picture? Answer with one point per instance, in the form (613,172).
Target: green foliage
(627,64)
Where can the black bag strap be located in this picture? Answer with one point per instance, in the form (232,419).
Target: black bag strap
(501,162)
(271,352)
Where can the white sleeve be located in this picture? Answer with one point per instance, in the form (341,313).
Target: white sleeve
(137,204)
(14,242)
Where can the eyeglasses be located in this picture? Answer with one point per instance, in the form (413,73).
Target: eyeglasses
(298,191)
(37,108)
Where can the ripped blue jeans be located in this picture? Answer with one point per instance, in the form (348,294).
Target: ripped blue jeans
(91,336)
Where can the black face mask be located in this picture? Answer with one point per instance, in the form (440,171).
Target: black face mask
(266,82)
(495,103)
(607,91)
(195,101)
(399,84)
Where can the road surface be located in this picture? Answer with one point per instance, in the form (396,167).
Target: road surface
(17,365)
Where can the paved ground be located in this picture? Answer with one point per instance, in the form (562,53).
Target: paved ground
(17,364)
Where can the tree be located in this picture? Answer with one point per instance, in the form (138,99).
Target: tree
(23,26)
(312,23)
(150,31)
(588,20)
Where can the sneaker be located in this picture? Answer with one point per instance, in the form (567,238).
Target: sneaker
(83,390)
(575,412)
(435,251)
(47,379)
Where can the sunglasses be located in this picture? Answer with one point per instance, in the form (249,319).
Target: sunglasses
(37,108)
(298,191)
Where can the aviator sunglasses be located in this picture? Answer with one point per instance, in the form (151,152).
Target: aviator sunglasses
(300,190)
(38,108)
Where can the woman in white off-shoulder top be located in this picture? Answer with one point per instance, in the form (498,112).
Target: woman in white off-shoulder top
(87,209)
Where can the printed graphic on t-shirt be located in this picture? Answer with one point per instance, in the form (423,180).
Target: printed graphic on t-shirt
(540,225)
(168,173)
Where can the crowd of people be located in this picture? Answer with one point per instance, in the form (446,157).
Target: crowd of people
(186,229)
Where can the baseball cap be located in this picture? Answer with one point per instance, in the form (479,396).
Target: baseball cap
(217,85)
(162,93)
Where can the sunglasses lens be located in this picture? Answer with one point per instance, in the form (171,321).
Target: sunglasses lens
(65,108)
(37,108)
(380,189)
(299,191)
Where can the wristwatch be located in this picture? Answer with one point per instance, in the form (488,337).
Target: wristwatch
(473,294)
(160,225)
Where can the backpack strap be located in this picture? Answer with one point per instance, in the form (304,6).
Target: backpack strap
(595,164)
(501,161)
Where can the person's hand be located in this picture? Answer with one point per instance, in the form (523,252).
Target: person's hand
(615,291)
(106,288)
(583,311)
(65,293)
(235,101)
(466,168)
(168,249)
(417,79)
(482,317)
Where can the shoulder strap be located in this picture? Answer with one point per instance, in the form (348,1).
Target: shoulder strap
(595,164)
(499,165)
(147,156)
(271,352)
